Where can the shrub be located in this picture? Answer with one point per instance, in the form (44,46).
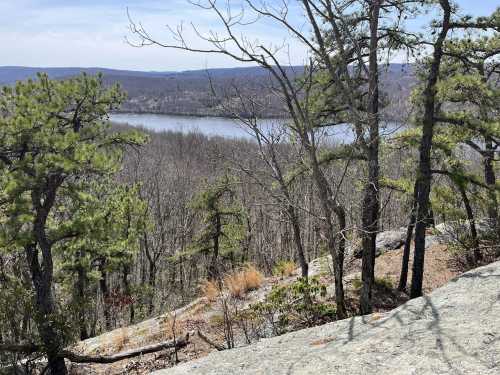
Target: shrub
(296,306)
(385,282)
(250,323)
(284,268)
(357,283)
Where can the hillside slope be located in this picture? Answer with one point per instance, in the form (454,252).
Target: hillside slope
(453,330)
(201,314)
(190,92)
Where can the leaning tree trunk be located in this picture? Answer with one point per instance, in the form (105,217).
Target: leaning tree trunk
(424,168)
(327,205)
(292,215)
(371,203)
(472,225)
(304,267)
(403,278)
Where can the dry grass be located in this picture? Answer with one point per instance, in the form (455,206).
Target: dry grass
(237,283)
(210,289)
(121,339)
(240,282)
(253,277)
(285,268)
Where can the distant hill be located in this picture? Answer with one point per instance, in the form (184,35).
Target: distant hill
(11,74)
(190,92)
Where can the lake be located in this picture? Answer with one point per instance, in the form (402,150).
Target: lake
(220,126)
(211,126)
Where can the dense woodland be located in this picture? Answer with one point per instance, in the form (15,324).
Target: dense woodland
(102,226)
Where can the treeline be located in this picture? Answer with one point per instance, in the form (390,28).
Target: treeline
(191,93)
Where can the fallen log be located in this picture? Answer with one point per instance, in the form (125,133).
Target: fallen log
(20,348)
(82,358)
(210,342)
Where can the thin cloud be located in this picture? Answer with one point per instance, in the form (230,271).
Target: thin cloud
(92,33)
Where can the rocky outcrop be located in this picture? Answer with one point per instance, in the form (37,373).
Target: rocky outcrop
(453,230)
(454,330)
(387,240)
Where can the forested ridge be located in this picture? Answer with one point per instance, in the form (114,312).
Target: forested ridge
(190,92)
(103,226)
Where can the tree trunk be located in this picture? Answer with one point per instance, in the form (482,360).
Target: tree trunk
(403,278)
(371,200)
(103,285)
(490,179)
(213,269)
(304,267)
(472,225)
(45,306)
(152,284)
(338,265)
(290,209)
(128,291)
(81,281)
(424,175)
(327,205)
(151,279)
(42,277)
(488,162)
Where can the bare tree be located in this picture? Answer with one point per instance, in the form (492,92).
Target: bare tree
(295,97)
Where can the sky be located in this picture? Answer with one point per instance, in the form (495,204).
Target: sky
(90,33)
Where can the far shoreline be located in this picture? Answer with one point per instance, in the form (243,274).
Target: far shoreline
(198,115)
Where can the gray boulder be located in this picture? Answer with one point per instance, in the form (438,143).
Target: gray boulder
(450,231)
(454,330)
(390,240)
(386,241)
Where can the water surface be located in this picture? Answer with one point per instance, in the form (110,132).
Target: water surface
(211,126)
(230,128)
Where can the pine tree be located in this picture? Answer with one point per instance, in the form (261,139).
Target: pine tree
(223,228)
(55,144)
(470,99)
